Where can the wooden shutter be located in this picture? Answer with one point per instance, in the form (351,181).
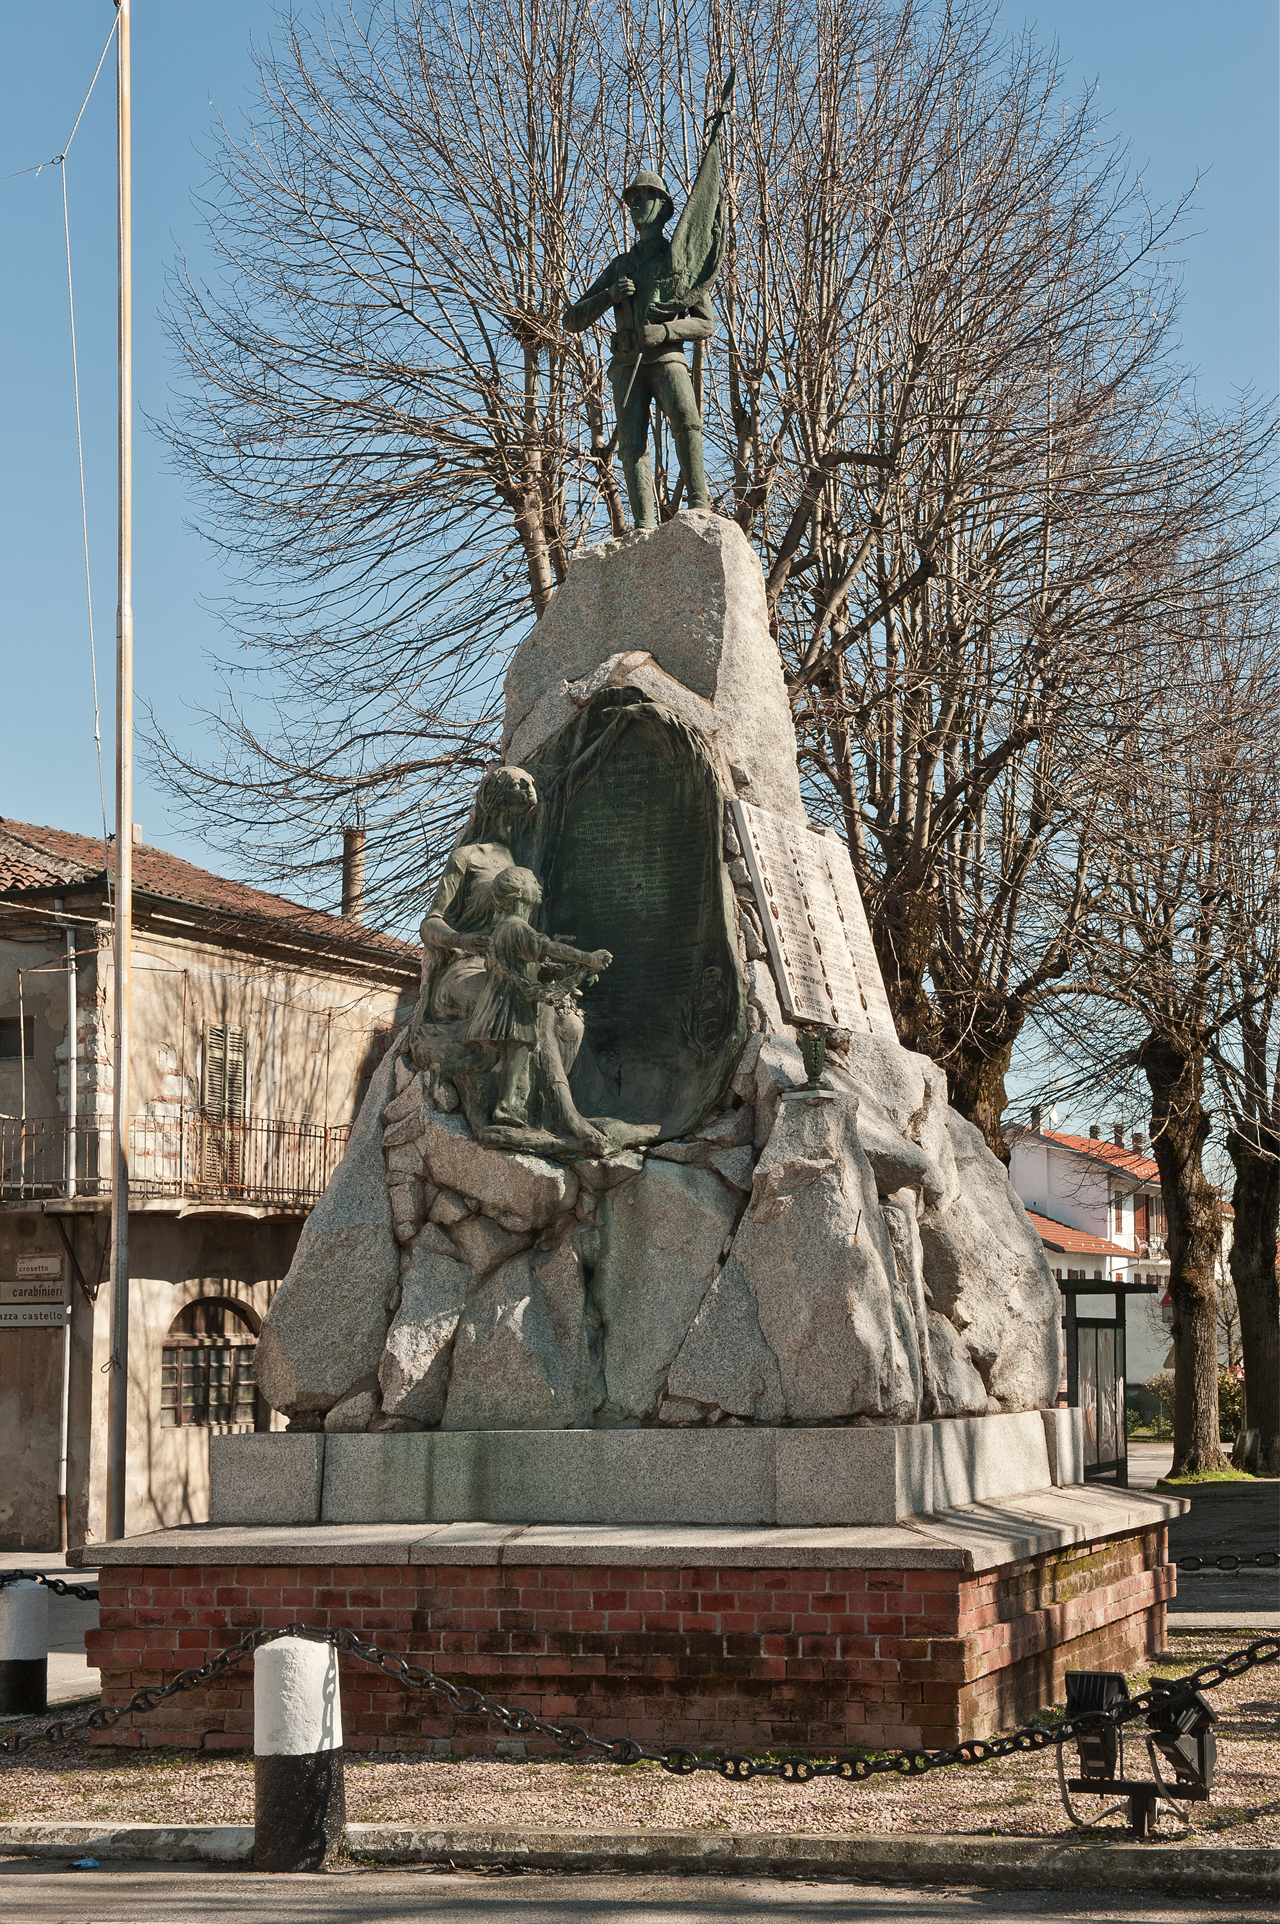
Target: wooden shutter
(215,1068)
(224,1071)
(235,1054)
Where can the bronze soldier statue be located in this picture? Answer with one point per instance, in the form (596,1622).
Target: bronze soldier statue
(648,348)
(660,293)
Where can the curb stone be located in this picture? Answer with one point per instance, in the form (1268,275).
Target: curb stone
(1012,1862)
(224,1844)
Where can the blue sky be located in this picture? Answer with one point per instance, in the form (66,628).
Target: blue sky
(1193,88)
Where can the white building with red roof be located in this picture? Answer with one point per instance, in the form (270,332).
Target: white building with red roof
(1097,1208)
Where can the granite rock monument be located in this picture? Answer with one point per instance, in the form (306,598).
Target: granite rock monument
(595,1184)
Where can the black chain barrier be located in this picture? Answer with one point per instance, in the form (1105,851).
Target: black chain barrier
(1265,1560)
(680,1762)
(87,1592)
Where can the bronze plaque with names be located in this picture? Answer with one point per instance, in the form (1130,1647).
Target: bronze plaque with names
(819,939)
(857,931)
(812,962)
(631,860)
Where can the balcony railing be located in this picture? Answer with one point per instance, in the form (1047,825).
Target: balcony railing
(187,1155)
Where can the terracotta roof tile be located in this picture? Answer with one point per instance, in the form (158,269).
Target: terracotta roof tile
(1076,1242)
(15,874)
(1131,1161)
(33,857)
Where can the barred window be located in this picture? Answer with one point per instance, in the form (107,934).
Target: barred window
(206,1371)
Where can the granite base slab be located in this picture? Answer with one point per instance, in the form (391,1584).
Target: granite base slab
(740,1476)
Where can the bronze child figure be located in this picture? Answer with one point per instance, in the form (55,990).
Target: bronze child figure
(455,930)
(515,1015)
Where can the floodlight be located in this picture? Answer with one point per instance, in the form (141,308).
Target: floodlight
(1179,1727)
(1102,1750)
(1182,1731)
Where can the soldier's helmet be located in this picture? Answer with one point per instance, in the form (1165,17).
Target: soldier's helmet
(648,183)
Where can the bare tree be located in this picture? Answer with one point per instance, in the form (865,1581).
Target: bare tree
(963,521)
(382,416)
(1163,938)
(401,448)
(1247,1060)
(1229,1344)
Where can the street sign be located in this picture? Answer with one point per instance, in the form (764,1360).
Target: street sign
(28,1294)
(39,1265)
(33,1316)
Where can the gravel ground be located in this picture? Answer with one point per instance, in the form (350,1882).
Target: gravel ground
(1012,1797)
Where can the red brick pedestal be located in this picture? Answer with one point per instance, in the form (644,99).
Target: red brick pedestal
(805,1640)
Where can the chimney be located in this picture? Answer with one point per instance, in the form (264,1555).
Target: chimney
(1139,1139)
(1117,1130)
(353,874)
(1037,1118)
(1095,1131)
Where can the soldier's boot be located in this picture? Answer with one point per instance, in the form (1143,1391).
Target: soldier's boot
(689,450)
(637,470)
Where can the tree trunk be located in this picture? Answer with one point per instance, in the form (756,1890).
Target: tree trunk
(976,1059)
(1179,1130)
(531,512)
(1256,1199)
(904,932)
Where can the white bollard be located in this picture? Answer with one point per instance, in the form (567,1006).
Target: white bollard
(299,1798)
(24,1648)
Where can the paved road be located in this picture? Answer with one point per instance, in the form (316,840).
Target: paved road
(41,1895)
(1241,1518)
(1147,1462)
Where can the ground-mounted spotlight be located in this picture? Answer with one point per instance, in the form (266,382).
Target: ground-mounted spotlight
(1180,1728)
(1101,1751)
(1182,1731)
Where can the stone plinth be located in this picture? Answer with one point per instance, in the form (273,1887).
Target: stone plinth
(731,1474)
(953,1627)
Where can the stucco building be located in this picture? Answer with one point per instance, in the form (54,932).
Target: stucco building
(256,1025)
(1097,1207)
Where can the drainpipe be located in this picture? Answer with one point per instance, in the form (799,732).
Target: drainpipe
(64,1412)
(73,1062)
(22,1085)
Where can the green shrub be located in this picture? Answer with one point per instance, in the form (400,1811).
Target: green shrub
(1161,1388)
(1230,1402)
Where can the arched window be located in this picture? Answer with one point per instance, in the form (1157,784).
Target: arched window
(206,1376)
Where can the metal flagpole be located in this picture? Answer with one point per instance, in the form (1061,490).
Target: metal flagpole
(118,1364)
